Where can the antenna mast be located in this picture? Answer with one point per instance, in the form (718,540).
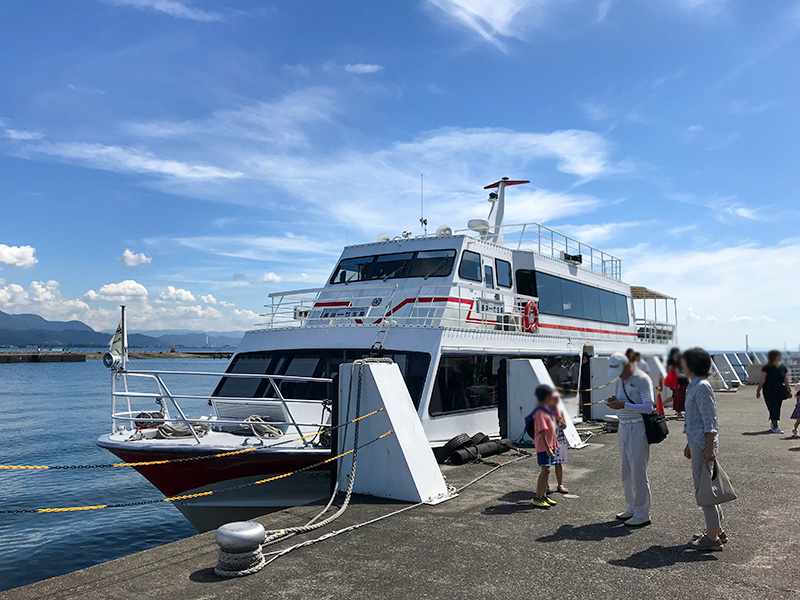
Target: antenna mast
(422,220)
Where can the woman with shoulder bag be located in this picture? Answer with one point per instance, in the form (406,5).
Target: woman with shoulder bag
(702,438)
(775,385)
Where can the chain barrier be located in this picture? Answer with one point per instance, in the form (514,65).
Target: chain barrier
(198,494)
(150,463)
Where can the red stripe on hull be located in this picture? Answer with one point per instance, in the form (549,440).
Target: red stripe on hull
(180,477)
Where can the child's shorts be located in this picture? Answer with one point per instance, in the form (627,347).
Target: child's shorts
(544,459)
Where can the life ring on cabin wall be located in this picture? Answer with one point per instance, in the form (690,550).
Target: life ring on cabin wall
(531,309)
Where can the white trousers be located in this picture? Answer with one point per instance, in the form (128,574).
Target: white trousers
(635,453)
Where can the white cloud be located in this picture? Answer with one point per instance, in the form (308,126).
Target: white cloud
(173,294)
(493,20)
(707,6)
(247,318)
(271,277)
(133,259)
(601,232)
(124,291)
(43,298)
(181,10)
(208,299)
(279,122)
(725,292)
(18,256)
(129,160)
(363,68)
(603,6)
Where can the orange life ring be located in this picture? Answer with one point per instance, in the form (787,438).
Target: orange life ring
(531,308)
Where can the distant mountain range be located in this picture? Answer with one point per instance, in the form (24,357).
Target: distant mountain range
(27,330)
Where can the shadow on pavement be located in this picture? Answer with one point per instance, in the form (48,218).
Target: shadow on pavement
(765,432)
(513,502)
(656,557)
(797,449)
(593,532)
(206,576)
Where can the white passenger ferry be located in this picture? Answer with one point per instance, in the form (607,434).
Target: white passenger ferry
(449,308)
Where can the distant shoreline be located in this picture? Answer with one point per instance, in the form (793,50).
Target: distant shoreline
(145,355)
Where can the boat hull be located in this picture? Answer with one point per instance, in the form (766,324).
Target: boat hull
(187,477)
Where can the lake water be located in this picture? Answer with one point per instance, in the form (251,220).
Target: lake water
(52,413)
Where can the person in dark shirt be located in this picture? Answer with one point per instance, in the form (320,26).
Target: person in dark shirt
(775,385)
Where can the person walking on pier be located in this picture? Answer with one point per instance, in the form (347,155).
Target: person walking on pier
(775,385)
(633,398)
(702,437)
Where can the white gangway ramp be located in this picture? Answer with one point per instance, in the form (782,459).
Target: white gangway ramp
(524,374)
(401,466)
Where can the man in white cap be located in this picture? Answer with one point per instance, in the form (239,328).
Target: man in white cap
(633,398)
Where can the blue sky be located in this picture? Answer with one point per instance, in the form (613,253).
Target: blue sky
(189,158)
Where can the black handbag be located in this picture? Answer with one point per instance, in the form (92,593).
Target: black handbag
(655,426)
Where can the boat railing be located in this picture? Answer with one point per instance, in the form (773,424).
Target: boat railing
(655,332)
(549,242)
(273,396)
(451,304)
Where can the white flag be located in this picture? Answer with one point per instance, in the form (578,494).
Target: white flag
(119,343)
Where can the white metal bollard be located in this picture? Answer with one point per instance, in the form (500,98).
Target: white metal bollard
(239,549)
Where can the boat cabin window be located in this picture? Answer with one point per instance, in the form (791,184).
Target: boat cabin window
(526,282)
(312,363)
(427,263)
(473,382)
(567,298)
(465,383)
(488,276)
(503,269)
(470,267)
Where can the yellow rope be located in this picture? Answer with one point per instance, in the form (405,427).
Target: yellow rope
(211,492)
(70,508)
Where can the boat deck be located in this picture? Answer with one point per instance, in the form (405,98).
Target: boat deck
(490,543)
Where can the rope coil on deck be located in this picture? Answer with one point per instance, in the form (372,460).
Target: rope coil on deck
(150,463)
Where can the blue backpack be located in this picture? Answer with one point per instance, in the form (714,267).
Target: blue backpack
(529,420)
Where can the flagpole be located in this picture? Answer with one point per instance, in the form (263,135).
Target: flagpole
(124,337)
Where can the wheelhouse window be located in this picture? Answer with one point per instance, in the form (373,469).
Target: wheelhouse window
(432,263)
(425,263)
(503,269)
(470,267)
(312,363)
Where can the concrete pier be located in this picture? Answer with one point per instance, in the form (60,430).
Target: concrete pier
(491,543)
(40,357)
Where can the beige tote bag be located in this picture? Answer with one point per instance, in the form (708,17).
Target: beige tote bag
(715,486)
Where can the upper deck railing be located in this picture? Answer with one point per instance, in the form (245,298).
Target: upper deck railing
(453,305)
(549,242)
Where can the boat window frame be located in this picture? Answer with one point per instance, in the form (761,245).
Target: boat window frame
(479,278)
(404,272)
(610,298)
(497,272)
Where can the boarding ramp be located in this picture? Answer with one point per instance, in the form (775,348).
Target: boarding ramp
(716,379)
(726,370)
(523,376)
(402,466)
(738,366)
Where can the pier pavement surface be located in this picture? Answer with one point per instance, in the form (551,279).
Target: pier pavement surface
(491,543)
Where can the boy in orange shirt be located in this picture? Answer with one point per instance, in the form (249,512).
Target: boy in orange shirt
(545,441)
